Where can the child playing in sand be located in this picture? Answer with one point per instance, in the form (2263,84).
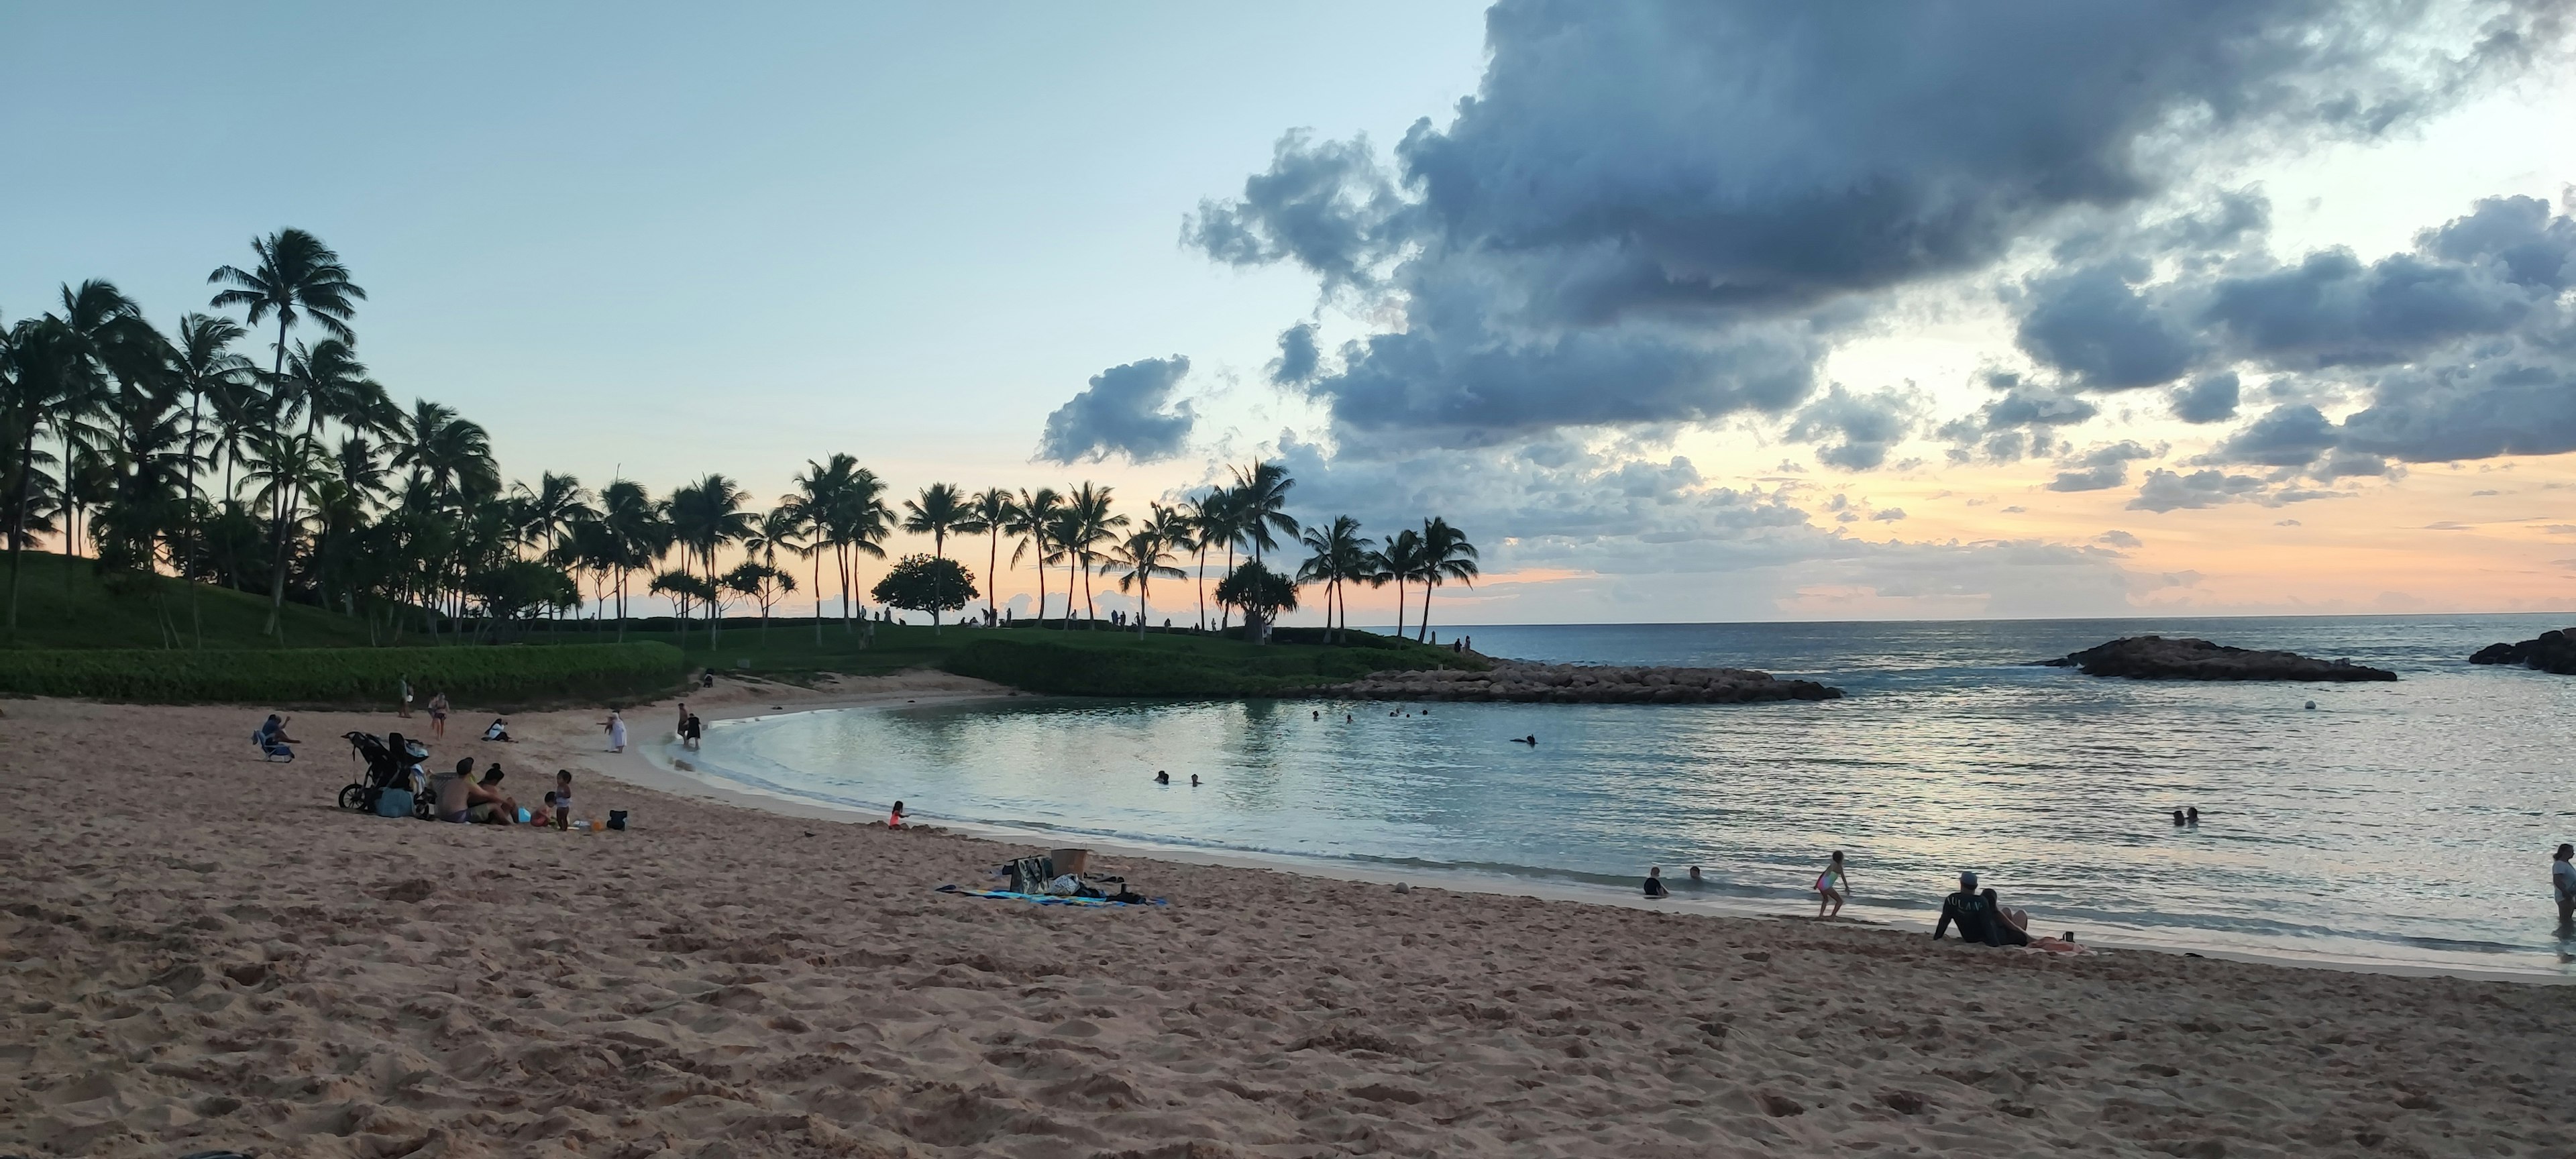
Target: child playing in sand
(1832,886)
(559,800)
(894,820)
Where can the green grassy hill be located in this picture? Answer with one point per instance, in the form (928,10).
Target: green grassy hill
(67,607)
(65,604)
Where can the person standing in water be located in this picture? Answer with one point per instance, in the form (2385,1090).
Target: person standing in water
(1832,887)
(2562,881)
(1655,882)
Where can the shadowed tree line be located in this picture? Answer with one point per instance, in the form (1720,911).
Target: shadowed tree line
(261,454)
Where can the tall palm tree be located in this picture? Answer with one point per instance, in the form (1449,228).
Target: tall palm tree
(637,535)
(846,503)
(1399,564)
(1216,520)
(1090,523)
(940,510)
(327,383)
(1032,521)
(548,511)
(780,527)
(1338,554)
(202,365)
(1446,555)
(705,516)
(1260,498)
(1141,557)
(297,278)
(989,513)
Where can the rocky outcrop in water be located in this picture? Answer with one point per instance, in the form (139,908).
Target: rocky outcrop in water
(2157,658)
(2553,651)
(1581,684)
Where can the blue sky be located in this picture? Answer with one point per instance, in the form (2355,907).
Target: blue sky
(1724,311)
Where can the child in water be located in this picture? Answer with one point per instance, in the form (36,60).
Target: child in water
(1832,886)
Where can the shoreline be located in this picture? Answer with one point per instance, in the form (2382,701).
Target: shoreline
(648,769)
(204,953)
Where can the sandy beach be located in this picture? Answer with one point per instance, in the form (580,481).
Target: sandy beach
(201,951)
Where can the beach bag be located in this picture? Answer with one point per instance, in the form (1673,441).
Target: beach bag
(393,803)
(1029,874)
(617,820)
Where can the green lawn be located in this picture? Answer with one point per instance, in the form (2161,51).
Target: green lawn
(65,605)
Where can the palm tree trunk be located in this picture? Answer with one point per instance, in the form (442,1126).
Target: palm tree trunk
(1202,585)
(277,582)
(1038,542)
(818,598)
(1221,615)
(1422,631)
(1144,597)
(992,569)
(1399,607)
(18,518)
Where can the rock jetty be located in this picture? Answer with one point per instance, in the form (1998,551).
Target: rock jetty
(2551,652)
(1581,684)
(2157,658)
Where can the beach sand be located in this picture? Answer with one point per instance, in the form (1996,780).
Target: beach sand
(200,951)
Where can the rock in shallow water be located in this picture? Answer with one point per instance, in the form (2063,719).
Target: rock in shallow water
(1581,684)
(2157,658)
(2553,651)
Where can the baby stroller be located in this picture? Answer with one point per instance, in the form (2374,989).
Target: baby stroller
(391,762)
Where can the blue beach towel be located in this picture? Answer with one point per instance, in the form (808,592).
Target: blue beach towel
(1046,899)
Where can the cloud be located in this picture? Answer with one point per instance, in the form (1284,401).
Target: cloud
(2090,324)
(2101,468)
(1887,515)
(2286,436)
(1298,358)
(2020,424)
(2120,539)
(2210,398)
(1654,214)
(1126,411)
(2166,491)
(1861,427)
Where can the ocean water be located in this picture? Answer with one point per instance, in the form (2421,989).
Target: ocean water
(2407,822)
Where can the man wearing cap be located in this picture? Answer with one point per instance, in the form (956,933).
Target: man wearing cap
(1975,915)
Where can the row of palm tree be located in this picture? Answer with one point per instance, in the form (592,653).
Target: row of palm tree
(114,433)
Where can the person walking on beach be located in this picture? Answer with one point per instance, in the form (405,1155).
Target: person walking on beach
(1832,887)
(2562,881)
(438,716)
(616,729)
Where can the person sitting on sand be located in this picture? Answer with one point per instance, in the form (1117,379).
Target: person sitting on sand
(894,820)
(454,792)
(1832,886)
(1970,909)
(1655,882)
(498,730)
(487,805)
(2011,926)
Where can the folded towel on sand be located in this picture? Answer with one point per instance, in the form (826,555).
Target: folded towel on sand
(1044,899)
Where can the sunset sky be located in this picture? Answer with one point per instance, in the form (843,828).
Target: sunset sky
(1697,312)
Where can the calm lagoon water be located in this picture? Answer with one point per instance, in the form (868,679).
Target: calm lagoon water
(2407,822)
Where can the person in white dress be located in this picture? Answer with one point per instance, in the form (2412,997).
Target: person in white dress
(616,727)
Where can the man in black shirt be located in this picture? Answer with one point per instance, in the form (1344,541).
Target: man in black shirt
(1655,882)
(1974,913)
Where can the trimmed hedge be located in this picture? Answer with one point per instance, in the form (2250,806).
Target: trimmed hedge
(1089,669)
(490,676)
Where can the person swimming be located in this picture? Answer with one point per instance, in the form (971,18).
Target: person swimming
(1194,780)
(1531,740)
(2178,821)
(1162,778)
(1695,878)
(2191,816)
(1655,882)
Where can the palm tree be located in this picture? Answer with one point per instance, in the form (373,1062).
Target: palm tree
(1339,553)
(779,527)
(296,278)
(1089,524)
(637,535)
(990,513)
(49,375)
(327,382)
(845,503)
(1260,499)
(940,510)
(1142,556)
(202,364)
(1216,519)
(1400,563)
(705,516)
(1446,555)
(1032,521)
(286,469)
(1261,593)
(683,589)
(452,454)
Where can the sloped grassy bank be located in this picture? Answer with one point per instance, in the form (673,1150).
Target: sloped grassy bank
(488,676)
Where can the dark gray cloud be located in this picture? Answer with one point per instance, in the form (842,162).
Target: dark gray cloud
(2210,398)
(1125,411)
(2101,468)
(2286,436)
(1298,357)
(2092,325)
(1860,428)
(1663,213)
